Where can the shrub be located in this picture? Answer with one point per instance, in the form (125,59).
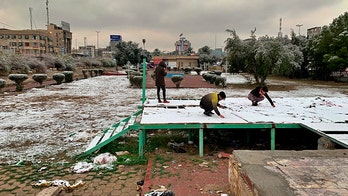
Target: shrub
(108,62)
(216,72)
(37,65)
(198,70)
(40,78)
(177,80)
(70,67)
(207,77)
(4,69)
(136,81)
(84,72)
(2,83)
(58,77)
(18,79)
(187,70)
(220,81)
(153,75)
(213,78)
(69,76)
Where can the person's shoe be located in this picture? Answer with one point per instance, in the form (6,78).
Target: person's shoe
(211,113)
(165,101)
(207,113)
(159,101)
(254,103)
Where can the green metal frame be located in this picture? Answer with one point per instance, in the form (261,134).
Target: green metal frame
(200,127)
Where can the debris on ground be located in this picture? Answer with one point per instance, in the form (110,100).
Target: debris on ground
(177,147)
(102,161)
(120,153)
(224,155)
(65,185)
(162,191)
(81,167)
(105,158)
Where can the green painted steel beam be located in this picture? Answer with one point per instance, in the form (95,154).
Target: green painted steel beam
(201,153)
(273,139)
(142,140)
(288,126)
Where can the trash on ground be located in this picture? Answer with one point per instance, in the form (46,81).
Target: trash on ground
(120,153)
(105,158)
(60,183)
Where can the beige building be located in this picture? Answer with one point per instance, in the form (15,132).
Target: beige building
(177,61)
(36,42)
(315,31)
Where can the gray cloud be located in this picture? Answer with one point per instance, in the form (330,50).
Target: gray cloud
(160,22)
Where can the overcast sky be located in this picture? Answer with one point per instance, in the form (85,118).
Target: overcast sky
(160,22)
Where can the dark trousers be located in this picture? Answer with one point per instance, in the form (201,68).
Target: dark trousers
(163,91)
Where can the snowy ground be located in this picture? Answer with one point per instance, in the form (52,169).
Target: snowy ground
(45,124)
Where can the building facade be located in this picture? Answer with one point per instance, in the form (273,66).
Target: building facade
(177,62)
(36,42)
(313,32)
(182,45)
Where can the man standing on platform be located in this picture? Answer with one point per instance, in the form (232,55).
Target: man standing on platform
(160,73)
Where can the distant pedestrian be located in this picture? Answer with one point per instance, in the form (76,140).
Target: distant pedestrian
(160,73)
(210,102)
(258,94)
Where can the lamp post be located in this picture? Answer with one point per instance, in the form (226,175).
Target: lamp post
(144,40)
(97,50)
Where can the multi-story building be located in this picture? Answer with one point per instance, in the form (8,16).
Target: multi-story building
(313,32)
(182,45)
(36,42)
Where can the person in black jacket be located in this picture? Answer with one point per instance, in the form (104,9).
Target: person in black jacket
(259,94)
(160,73)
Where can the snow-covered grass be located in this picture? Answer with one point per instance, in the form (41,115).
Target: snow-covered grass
(48,123)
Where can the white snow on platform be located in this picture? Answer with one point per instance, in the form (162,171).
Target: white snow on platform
(288,110)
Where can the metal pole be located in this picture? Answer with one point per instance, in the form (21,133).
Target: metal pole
(201,142)
(144,82)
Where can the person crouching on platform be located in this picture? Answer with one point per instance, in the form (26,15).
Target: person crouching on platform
(259,94)
(210,102)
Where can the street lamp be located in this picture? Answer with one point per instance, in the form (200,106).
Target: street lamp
(97,39)
(144,40)
(97,50)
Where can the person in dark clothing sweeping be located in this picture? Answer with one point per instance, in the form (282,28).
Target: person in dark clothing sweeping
(258,94)
(160,73)
(210,102)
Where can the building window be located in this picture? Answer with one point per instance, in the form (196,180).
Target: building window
(20,43)
(27,44)
(26,37)
(14,36)
(7,36)
(19,36)
(34,37)
(13,44)
(1,37)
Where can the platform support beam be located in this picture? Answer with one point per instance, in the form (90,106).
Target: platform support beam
(272,138)
(142,139)
(201,142)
